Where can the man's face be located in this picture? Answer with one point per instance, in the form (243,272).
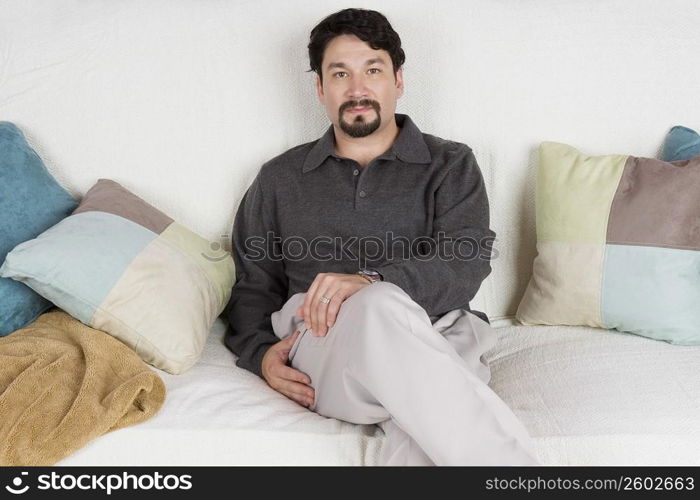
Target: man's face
(359,89)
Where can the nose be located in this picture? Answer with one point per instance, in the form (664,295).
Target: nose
(357,88)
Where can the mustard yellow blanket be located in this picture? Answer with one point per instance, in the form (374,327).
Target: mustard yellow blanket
(63,384)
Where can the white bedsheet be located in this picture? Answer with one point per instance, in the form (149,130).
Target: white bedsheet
(597,397)
(588,397)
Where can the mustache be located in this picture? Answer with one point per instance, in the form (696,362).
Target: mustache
(360,104)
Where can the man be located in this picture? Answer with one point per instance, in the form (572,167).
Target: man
(346,328)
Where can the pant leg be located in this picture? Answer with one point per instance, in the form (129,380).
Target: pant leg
(399,448)
(471,337)
(384,359)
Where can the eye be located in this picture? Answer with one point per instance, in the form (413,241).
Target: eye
(374,71)
(340,74)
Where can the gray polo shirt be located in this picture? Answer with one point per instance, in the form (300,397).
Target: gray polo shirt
(418,214)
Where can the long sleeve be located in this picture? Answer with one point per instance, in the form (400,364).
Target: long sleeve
(261,284)
(449,281)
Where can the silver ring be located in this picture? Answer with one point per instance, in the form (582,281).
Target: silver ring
(325,299)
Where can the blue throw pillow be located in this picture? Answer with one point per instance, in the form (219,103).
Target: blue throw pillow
(31,201)
(681,143)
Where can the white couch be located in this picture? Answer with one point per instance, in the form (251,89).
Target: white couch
(182,101)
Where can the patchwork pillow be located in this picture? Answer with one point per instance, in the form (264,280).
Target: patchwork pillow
(121,266)
(31,201)
(618,245)
(681,143)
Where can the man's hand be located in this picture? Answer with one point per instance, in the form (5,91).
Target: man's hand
(285,379)
(337,287)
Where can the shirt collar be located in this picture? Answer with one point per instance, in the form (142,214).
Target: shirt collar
(409,146)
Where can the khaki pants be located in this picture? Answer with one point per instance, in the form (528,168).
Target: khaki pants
(383,362)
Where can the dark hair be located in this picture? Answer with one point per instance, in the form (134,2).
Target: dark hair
(368,25)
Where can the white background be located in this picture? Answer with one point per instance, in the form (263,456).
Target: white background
(182,101)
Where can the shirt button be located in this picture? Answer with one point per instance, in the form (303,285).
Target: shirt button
(355,172)
(362,194)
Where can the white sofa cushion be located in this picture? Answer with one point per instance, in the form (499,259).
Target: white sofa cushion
(596,397)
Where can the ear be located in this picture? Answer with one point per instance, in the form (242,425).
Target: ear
(319,90)
(399,82)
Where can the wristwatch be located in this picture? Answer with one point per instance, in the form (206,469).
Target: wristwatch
(371,275)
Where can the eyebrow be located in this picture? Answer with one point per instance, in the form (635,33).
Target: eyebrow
(368,62)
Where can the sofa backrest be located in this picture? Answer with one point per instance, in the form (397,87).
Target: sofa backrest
(182,101)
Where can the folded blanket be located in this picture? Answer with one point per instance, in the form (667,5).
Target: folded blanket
(63,384)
